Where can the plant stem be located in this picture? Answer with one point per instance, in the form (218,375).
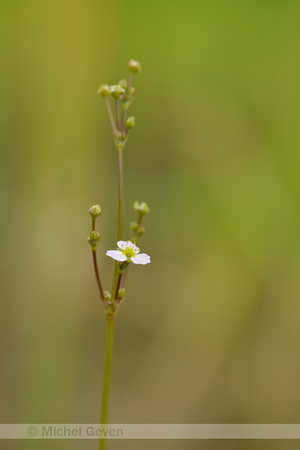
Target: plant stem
(121,193)
(120,218)
(110,115)
(130,80)
(106,381)
(123,120)
(97,274)
(118,286)
(115,287)
(118,114)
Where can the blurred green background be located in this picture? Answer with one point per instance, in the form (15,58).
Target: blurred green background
(209,332)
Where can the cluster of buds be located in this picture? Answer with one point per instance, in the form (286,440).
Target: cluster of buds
(123,93)
(94,237)
(142,209)
(120,91)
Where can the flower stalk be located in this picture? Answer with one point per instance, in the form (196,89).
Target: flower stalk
(123,94)
(106,379)
(97,275)
(121,193)
(110,115)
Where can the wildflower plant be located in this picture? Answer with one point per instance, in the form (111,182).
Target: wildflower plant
(120,96)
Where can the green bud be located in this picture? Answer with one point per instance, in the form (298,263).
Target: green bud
(116,91)
(120,141)
(134,66)
(104,90)
(133,226)
(107,295)
(122,266)
(141,208)
(131,91)
(123,84)
(95,211)
(126,105)
(94,240)
(140,231)
(121,293)
(130,122)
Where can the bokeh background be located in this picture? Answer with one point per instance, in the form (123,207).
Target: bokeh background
(209,332)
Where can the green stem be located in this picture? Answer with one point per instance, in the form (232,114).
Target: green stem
(121,193)
(106,381)
(120,217)
(114,292)
(118,115)
(110,115)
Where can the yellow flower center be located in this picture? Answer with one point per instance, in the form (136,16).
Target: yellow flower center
(128,252)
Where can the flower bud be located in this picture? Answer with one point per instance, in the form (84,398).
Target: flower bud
(107,295)
(122,266)
(94,240)
(141,208)
(104,90)
(123,83)
(116,91)
(95,211)
(130,122)
(140,231)
(121,293)
(120,141)
(126,105)
(134,66)
(131,91)
(133,226)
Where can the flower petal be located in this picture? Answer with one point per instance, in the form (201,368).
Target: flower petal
(117,255)
(122,244)
(142,258)
(131,245)
(135,249)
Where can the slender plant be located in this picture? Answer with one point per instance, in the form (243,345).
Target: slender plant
(120,96)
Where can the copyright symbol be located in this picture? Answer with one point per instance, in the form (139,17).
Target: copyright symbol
(32,431)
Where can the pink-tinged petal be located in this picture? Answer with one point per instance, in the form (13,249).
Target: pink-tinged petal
(122,244)
(117,255)
(142,258)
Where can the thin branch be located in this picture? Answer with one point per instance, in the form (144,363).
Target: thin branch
(110,114)
(118,114)
(118,286)
(121,193)
(130,80)
(97,274)
(123,120)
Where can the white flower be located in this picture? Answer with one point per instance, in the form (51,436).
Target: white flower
(128,252)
